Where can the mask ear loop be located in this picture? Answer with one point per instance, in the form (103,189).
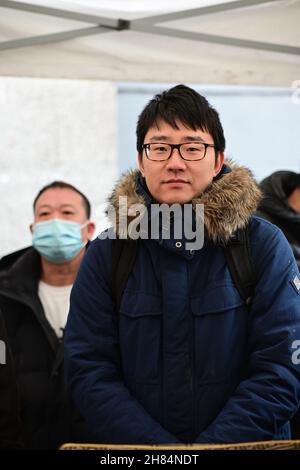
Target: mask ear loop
(85,224)
(81,227)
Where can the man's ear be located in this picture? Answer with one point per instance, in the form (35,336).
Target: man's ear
(219,163)
(91,229)
(31,228)
(140,164)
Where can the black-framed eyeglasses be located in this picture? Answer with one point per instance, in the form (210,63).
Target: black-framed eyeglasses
(191,151)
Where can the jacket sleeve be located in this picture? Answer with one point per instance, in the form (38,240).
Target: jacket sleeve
(10,422)
(93,364)
(270,393)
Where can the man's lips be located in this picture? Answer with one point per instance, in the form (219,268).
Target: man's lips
(175,181)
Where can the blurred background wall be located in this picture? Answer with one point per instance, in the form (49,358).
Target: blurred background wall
(53,130)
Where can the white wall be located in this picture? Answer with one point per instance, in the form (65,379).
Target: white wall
(53,129)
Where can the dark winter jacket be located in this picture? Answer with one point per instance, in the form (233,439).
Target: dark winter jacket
(185,361)
(275,207)
(10,423)
(48,418)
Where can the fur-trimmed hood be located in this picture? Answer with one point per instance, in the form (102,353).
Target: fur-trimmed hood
(228,202)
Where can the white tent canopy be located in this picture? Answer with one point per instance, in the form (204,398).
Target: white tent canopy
(245,42)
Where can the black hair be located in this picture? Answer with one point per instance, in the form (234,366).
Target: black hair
(62,185)
(181,104)
(290,182)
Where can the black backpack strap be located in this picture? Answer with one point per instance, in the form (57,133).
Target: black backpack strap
(124,253)
(240,265)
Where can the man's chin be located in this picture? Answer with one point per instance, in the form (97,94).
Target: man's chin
(175,200)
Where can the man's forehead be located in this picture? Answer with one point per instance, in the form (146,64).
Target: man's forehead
(59,197)
(161,127)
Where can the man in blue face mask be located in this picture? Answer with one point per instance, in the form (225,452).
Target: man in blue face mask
(35,286)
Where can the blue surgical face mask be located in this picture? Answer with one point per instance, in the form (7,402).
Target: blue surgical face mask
(58,240)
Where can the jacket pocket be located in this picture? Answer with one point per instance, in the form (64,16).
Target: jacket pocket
(140,330)
(220,333)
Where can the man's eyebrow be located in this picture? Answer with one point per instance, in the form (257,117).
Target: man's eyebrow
(186,138)
(159,138)
(193,138)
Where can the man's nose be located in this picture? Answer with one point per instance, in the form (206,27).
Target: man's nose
(175,162)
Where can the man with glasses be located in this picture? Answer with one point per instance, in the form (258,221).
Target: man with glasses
(184,359)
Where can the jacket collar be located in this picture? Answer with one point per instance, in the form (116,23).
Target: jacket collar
(23,275)
(20,283)
(229,201)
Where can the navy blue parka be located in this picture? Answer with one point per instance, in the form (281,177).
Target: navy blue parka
(185,361)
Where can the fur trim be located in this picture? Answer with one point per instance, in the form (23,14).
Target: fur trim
(126,186)
(228,202)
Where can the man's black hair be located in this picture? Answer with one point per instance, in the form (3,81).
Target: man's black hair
(185,105)
(63,185)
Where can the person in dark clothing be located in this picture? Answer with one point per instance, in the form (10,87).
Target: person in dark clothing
(182,357)
(281,205)
(35,285)
(10,422)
